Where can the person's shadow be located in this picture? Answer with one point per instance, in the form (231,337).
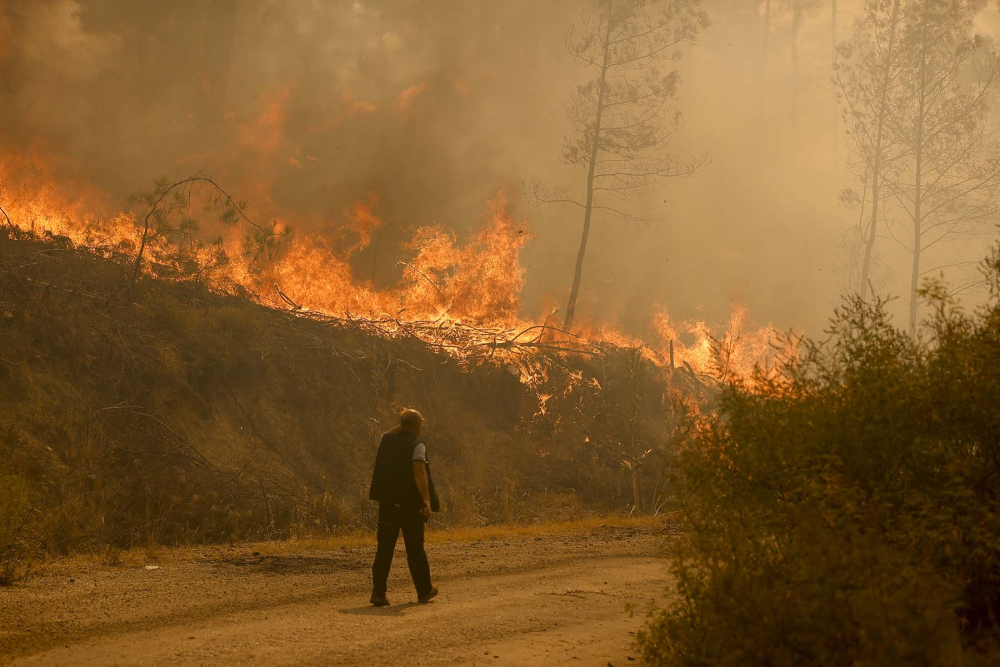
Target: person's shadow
(372,610)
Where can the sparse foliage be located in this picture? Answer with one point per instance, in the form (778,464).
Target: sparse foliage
(916,86)
(867,72)
(621,118)
(948,184)
(169,226)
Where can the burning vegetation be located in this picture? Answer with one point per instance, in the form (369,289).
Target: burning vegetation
(461,297)
(185,412)
(226,327)
(232,387)
(220,345)
(214,359)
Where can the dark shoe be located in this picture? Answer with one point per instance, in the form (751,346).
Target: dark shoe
(380,600)
(428,596)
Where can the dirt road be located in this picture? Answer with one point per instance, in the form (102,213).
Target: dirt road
(554,599)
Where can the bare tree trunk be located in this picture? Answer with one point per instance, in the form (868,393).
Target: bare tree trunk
(15,232)
(918,186)
(915,270)
(589,207)
(833,26)
(378,242)
(137,268)
(870,241)
(877,157)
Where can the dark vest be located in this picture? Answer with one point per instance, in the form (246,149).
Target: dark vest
(392,480)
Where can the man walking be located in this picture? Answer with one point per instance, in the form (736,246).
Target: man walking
(401,487)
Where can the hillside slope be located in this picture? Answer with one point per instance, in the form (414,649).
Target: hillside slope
(180,413)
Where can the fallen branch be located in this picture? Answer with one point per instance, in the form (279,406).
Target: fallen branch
(286,299)
(13,228)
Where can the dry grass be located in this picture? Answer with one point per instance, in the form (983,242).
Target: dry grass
(587,525)
(471,534)
(140,557)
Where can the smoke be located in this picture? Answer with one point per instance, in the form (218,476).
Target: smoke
(300,107)
(305,107)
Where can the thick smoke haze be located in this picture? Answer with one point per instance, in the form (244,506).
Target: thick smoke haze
(303,107)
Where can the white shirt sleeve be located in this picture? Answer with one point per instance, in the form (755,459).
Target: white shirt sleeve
(420,452)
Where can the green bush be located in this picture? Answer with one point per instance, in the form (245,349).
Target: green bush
(848,513)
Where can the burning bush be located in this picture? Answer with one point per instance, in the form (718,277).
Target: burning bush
(852,514)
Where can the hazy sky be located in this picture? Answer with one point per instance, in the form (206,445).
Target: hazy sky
(303,106)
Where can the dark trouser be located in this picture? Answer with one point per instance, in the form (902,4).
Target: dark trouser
(391,519)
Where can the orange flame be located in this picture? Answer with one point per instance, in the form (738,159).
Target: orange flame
(479,281)
(32,199)
(444,280)
(734,352)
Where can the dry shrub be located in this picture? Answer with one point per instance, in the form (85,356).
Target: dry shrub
(509,492)
(108,555)
(18,549)
(460,505)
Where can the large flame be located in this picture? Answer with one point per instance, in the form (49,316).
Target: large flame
(36,202)
(445,281)
(730,351)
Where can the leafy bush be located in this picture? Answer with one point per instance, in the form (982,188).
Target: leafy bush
(848,513)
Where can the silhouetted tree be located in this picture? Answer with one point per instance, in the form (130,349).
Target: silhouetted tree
(949,184)
(620,116)
(866,70)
